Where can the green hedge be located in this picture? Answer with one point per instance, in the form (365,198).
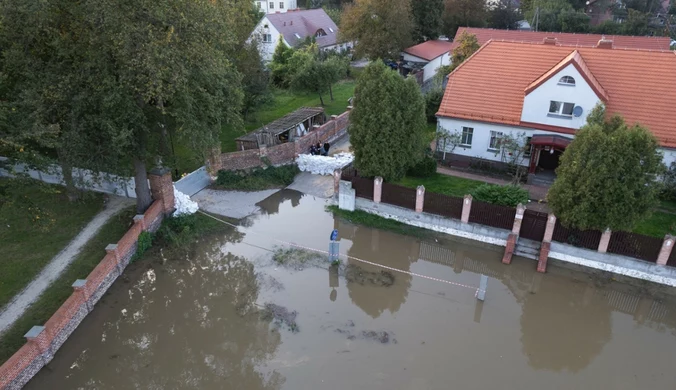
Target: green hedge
(507,195)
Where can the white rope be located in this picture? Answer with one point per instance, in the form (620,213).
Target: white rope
(476,289)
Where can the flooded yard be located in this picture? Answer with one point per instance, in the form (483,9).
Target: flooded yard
(241,310)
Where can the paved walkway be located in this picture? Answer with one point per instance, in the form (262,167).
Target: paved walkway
(537,193)
(18,305)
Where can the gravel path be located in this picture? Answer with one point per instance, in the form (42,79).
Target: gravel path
(16,307)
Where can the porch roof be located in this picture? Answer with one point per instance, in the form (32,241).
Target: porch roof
(550,140)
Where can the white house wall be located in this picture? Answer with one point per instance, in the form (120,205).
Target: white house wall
(267,49)
(432,66)
(265,6)
(412,58)
(536,104)
(482,135)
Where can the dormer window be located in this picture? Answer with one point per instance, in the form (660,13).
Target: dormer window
(320,33)
(567,80)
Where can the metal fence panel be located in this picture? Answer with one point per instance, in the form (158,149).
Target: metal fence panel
(533,225)
(492,215)
(635,245)
(399,196)
(363,187)
(444,205)
(588,239)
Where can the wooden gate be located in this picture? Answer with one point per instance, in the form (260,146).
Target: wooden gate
(533,225)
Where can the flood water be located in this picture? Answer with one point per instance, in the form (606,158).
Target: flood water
(224,315)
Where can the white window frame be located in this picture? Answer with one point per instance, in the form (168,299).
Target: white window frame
(559,113)
(260,4)
(272,5)
(497,136)
(281,5)
(528,147)
(467,132)
(269,38)
(567,81)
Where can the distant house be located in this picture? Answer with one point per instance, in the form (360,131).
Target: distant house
(294,27)
(546,90)
(277,6)
(483,35)
(430,55)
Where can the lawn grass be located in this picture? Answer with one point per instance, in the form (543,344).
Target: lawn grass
(442,184)
(668,205)
(363,218)
(60,290)
(657,225)
(26,249)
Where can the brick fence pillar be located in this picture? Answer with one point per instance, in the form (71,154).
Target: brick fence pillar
(214,162)
(336,180)
(39,337)
(162,188)
(377,189)
(80,288)
(139,220)
(605,240)
(419,199)
(546,243)
(466,208)
(111,249)
(518,218)
(510,246)
(665,252)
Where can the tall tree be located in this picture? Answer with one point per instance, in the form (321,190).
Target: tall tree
(608,175)
(463,13)
(504,14)
(380,28)
(574,21)
(386,131)
(427,19)
(544,14)
(467,45)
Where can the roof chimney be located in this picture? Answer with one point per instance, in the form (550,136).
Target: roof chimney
(291,22)
(549,41)
(605,43)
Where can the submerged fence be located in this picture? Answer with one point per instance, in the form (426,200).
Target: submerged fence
(533,224)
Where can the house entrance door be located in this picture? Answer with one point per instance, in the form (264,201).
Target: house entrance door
(549,159)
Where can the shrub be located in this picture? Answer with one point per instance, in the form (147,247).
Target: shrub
(507,195)
(145,241)
(257,179)
(432,103)
(183,230)
(425,168)
(669,184)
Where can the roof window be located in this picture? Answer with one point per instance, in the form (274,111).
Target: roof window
(320,33)
(331,29)
(297,36)
(567,80)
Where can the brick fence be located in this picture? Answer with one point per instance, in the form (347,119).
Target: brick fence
(519,221)
(281,154)
(44,341)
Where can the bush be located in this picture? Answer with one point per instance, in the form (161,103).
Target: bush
(425,168)
(257,179)
(145,241)
(432,103)
(507,195)
(669,184)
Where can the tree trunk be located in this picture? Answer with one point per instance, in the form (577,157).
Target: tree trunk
(321,99)
(67,172)
(331,92)
(143,196)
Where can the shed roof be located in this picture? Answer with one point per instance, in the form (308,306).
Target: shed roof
(284,123)
(429,50)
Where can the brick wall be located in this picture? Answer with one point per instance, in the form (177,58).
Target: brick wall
(284,153)
(39,351)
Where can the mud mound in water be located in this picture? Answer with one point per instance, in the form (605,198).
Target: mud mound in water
(280,315)
(356,274)
(298,258)
(382,337)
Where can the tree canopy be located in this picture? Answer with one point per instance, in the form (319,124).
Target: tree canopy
(607,177)
(380,28)
(427,19)
(387,123)
(463,13)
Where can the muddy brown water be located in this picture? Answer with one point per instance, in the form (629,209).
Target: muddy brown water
(223,314)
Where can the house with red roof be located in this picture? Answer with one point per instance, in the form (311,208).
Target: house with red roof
(294,27)
(545,91)
(431,55)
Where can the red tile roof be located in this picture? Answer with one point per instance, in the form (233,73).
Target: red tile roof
(429,50)
(490,86)
(570,39)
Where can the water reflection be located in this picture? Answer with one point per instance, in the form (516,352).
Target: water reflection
(190,323)
(271,204)
(394,252)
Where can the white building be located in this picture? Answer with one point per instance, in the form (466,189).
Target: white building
(294,27)
(271,7)
(545,91)
(431,55)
